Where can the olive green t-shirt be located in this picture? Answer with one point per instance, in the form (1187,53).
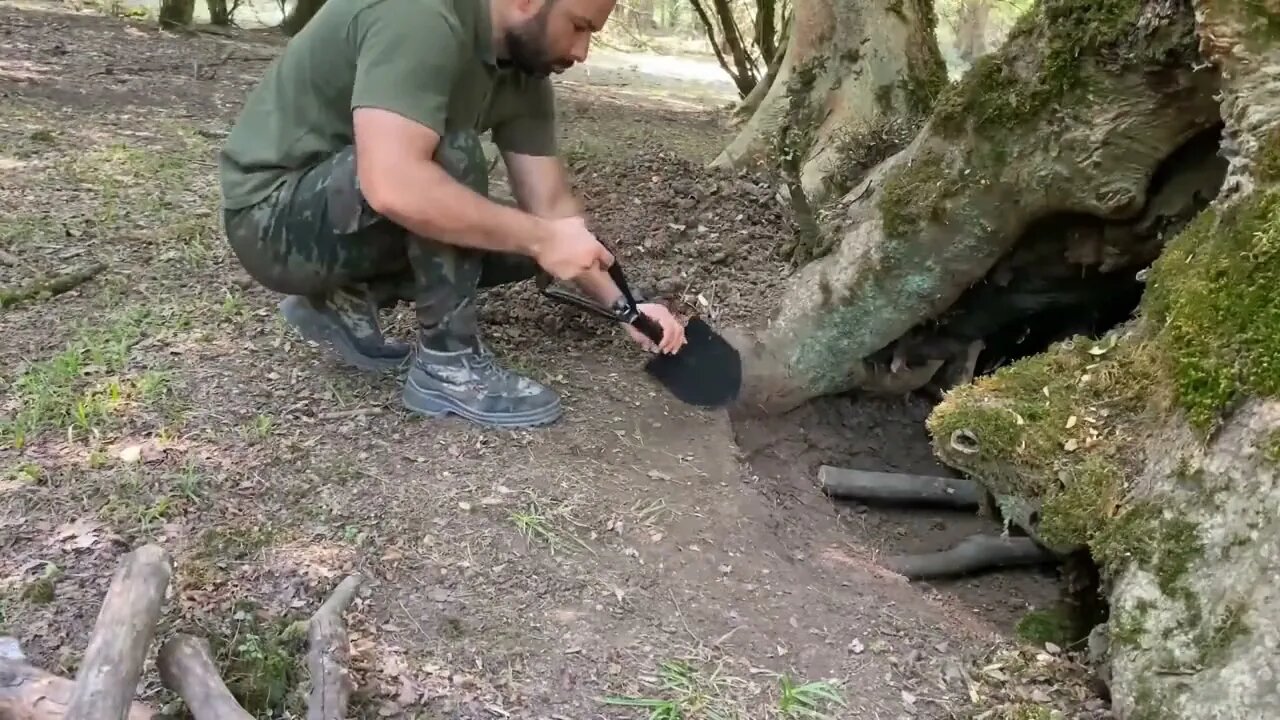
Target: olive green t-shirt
(431,61)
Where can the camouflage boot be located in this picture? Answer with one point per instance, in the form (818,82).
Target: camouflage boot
(347,322)
(453,371)
(448,376)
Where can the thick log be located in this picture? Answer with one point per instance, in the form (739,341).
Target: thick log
(186,667)
(329,654)
(974,553)
(112,664)
(900,489)
(28,693)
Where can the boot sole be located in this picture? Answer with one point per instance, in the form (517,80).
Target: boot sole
(431,403)
(317,328)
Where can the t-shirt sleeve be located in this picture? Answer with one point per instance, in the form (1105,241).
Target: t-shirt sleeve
(528,127)
(407,59)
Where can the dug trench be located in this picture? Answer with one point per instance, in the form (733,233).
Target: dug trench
(1069,278)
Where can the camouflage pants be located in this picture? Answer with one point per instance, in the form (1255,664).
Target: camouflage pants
(316,235)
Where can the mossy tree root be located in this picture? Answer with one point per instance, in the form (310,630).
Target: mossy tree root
(1156,447)
(1072,115)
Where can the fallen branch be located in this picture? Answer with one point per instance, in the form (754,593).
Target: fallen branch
(900,489)
(112,664)
(47,287)
(974,553)
(186,667)
(28,693)
(328,655)
(352,413)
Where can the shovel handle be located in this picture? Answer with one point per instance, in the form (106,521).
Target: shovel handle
(646,325)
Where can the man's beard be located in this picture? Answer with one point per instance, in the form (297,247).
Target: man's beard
(527,49)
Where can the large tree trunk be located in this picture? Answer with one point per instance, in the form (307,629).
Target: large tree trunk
(1071,118)
(1157,447)
(176,13)
(850,68)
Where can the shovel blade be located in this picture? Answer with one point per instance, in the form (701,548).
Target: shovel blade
(706,372)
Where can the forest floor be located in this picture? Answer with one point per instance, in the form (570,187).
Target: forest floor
(636,548)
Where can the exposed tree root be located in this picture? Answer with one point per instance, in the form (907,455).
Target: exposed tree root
(899,489)
(973,554)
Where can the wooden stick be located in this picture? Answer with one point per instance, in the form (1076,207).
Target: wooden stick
(28,693)
(49,286)
(898,488)
(112,664)
(186,667)
(328,655)
(976,552)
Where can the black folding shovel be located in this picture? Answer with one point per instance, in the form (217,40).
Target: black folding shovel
(706,372)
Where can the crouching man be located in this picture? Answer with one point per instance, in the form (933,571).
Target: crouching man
(355,178)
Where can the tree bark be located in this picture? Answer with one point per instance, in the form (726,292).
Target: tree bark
(849,68)
(112,663)
(186,667)
(329,655)
(1070,116)
(1156,447)
(177,13)
(28,693)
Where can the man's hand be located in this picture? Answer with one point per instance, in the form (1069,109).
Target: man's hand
(672,329)
(570,249)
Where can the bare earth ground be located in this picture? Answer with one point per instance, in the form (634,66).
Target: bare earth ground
(637,548)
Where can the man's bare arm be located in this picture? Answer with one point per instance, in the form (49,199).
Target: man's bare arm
(401,181)
(541,186)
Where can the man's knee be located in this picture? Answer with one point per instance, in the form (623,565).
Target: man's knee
(461,154)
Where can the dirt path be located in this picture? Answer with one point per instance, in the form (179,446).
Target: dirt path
(512,574)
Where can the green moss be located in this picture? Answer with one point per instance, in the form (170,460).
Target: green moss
(261,660)
(913,195)
(1165,545)
(1128,627)
(1046,626)
(1267,169)
(1062,427)
(1000,92)
(1212,297)
(1263,22)
(1271,446)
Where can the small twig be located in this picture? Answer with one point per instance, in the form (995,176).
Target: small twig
(352,413)
(684,622)
(49,287)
